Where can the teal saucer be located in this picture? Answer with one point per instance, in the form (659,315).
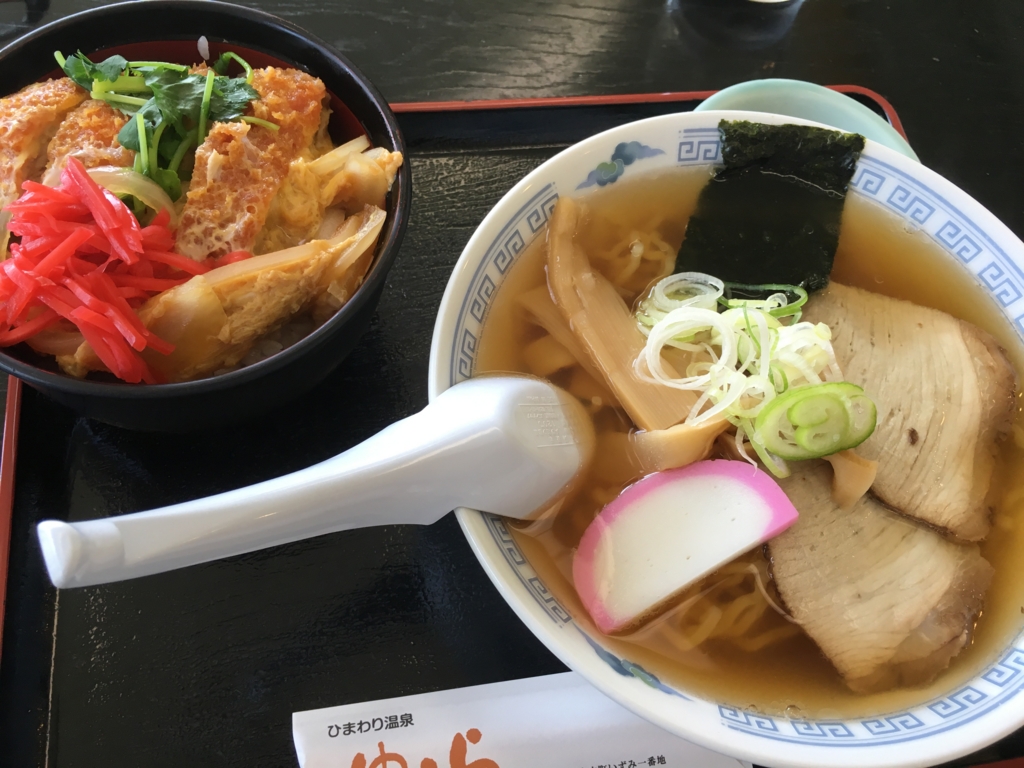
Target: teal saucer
(796,98)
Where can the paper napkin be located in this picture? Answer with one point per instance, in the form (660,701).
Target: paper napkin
(555,721)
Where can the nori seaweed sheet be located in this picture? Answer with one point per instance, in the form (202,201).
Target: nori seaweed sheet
(772,214)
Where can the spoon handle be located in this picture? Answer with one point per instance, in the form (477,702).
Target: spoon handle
(479,444)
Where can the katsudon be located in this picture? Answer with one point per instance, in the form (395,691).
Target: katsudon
(160,220)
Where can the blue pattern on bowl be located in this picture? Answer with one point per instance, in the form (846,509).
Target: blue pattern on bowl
(997,685)
(625,153)
(920,207)
(630,669)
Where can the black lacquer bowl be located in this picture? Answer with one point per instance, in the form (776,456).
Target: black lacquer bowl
(263,39)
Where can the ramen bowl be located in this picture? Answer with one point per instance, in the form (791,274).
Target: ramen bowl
(169,30)
(978,707)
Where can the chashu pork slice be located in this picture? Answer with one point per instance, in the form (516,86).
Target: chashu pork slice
(28,120)
(944,392)
(240,167)
(889,601)
(89,133)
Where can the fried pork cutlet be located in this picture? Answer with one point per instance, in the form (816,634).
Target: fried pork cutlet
(89,133)
(240,167)
(28,120)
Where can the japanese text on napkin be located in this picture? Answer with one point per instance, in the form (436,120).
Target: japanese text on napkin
(556,721)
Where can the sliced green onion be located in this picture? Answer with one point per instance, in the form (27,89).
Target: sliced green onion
(778,371)
(685,289)
(815,420)
(204,112)
(863,419)
(780,384)
(822,420)
(786,310)
(60,58)
(745,342)
(259,121)
(750,331)
(776,465)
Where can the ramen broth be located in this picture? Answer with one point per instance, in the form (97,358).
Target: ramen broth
(787,674)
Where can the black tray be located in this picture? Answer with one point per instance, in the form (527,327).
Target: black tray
(204,666)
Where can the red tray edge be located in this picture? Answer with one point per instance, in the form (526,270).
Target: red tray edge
(12,417)
(633,98)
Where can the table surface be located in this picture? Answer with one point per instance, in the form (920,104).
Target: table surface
(415,611)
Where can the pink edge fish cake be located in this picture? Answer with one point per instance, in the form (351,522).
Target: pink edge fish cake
(670,529)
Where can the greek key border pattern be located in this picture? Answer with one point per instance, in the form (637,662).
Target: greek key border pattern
(922,208)
(995,687)
(501,254)
(524,571)
(699,146)
(925,209)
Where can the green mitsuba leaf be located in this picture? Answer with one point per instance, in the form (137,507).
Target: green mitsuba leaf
(179,98)
(168,180)
(230,98)
(168,146)
(172,107)
(220,66)
(83,71)
(110,69)
(78,69)
(128,136)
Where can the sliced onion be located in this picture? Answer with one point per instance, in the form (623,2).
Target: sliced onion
(743,357)
(331,223)
(125,181)
(684,322)
(698,289)
(738,354)
(334,161)
(702,291)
